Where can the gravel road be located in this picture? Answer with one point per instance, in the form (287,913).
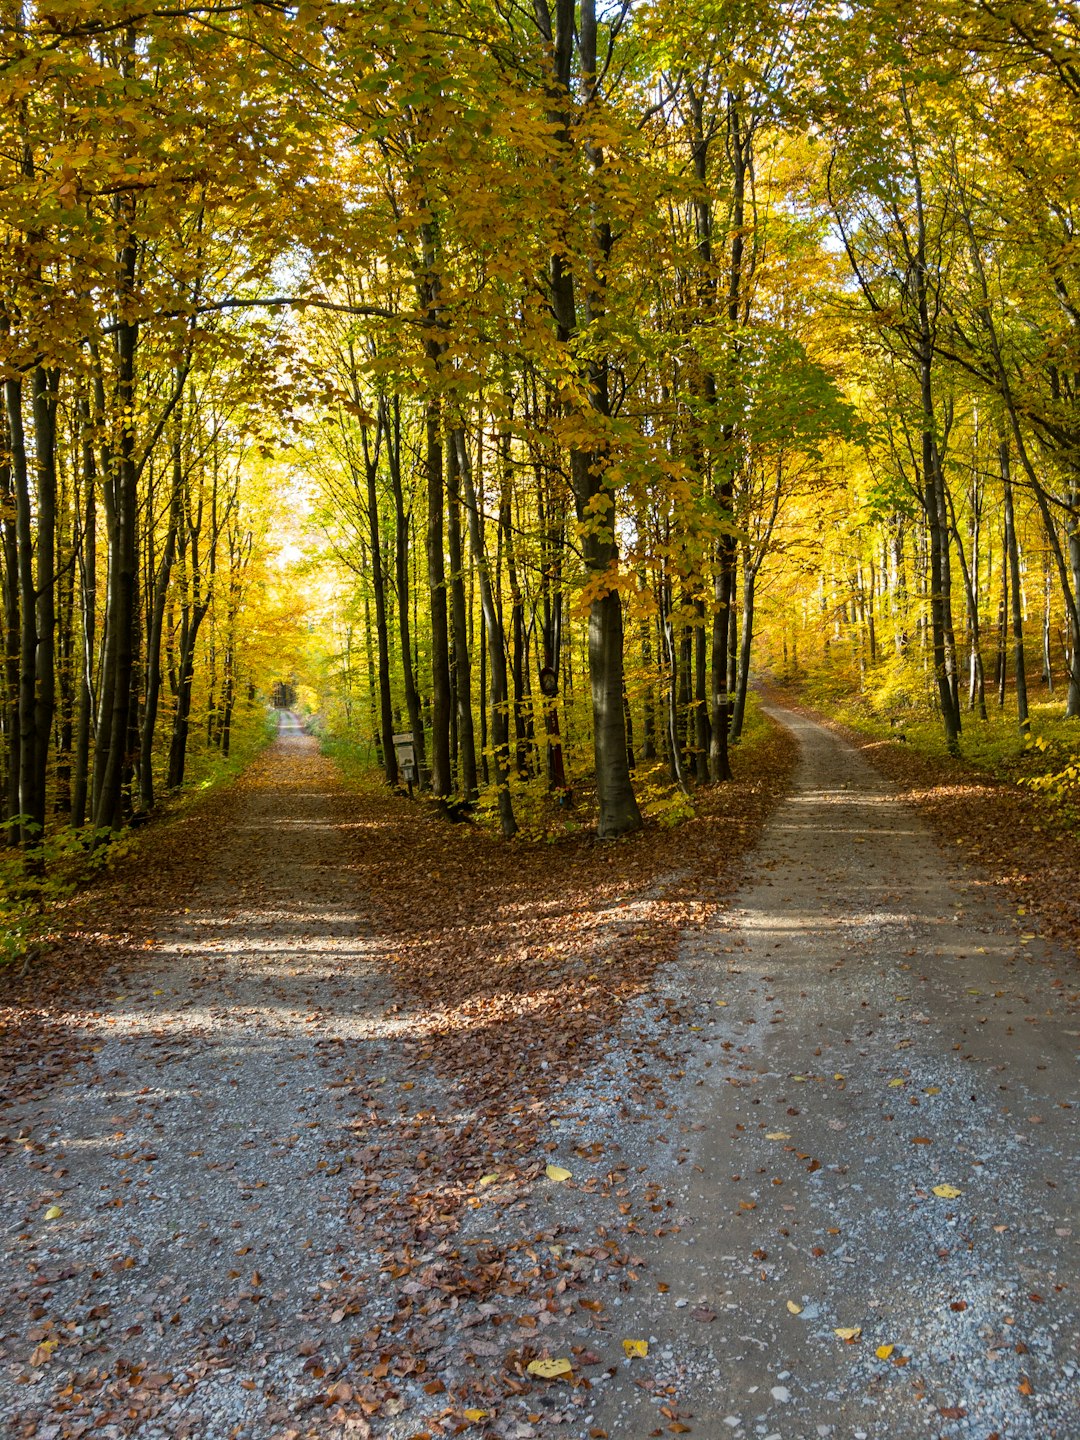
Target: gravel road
(850,1106)
(874,1024)
(198,1163)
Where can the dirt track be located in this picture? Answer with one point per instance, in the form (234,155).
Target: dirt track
(865,1001)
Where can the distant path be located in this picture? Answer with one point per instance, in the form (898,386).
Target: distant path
(204,1234)
(884,1020)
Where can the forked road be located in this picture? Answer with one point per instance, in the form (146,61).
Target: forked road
(875,1133)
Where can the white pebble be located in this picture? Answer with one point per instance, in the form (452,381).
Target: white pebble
(781,1394)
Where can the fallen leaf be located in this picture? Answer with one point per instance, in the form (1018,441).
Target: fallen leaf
(475,1414)
(557,1173)
(549,1369)
(487,1179)
(884,1351)
(778,1135)
(848,1332)
(54,1212)
(634,1348)
(793,1308)
(947,1192)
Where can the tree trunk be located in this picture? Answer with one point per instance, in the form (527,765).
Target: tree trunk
(593,499)
(460,621)
(441,778)
(392,431)
(8,516)
(738,712)
(154,630)
(123,578)
(500,718)
(382,637)
(703,737)
(31,804)
(1013,551)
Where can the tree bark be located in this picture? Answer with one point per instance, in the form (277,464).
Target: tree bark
(1013,552)
(460,621)
(500,717)
(382,637)
(391,421)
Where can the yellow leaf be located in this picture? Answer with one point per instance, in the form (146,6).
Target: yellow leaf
(43,1352)
(893,1083)
(838,1077)
(947,1192)
(53,1212)
(884,1351)
(793,1308)
(777,1135)
(932,1090)
(475,1414)
(549,1369)
(635,1347)
(556,1172)
(487,1179)
(849,1332)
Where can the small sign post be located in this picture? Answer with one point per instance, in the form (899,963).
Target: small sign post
(405,750)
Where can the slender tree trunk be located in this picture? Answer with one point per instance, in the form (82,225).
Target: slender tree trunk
(391,416)
(31,803)
(8,514)
(746,638)
(185,680)
(120,622)
(382,636)
(1013,551)
(1072,524)
(648,738)
(500,718)
(1002,672)
(703,737)
(441,777)
(153,639)
(67,542)
(460,620)
(719,763)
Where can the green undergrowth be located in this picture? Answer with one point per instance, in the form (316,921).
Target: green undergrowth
(541,815)
(1046,760)
(208,768)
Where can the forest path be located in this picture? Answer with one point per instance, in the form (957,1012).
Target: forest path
(874,1024)
(198,1160)
(277,1217)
